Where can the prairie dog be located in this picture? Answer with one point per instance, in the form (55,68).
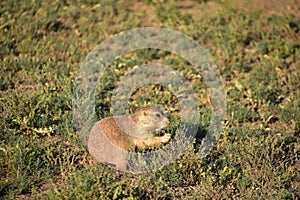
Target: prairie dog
(111,137)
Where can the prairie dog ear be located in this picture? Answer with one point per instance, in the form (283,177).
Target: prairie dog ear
(145,113)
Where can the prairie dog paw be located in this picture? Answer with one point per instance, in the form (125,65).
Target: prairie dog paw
(166,138)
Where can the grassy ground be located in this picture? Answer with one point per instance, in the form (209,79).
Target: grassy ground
(257,51)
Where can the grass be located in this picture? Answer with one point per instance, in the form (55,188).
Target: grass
(42,45)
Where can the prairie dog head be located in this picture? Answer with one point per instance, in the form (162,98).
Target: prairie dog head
(151,119)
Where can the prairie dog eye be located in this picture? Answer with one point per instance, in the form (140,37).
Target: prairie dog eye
(158,115)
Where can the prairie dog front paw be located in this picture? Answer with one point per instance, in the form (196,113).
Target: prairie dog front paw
(166,138)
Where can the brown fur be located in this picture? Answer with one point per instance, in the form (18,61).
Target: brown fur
(112,137)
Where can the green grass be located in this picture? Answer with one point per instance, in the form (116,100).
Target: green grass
(41,48)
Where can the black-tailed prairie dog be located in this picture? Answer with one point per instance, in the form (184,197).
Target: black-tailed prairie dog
(111,138)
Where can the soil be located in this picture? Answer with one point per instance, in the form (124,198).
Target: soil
(211,8)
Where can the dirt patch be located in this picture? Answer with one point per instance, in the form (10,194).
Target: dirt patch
(267,8)
(198,10)
(211,8)
(272,7)
(148,12)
